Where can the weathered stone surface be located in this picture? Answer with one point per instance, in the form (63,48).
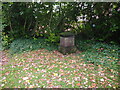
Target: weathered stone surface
(67,44)
(67,50)
(67,41)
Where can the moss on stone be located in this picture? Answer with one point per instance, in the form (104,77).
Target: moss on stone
(66,34)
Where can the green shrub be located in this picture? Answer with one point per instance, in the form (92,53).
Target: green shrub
(22,45)
(5,41)
(53,38)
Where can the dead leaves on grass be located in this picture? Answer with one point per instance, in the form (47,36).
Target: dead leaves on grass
(48,68)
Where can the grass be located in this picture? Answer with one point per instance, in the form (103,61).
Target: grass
(94,66)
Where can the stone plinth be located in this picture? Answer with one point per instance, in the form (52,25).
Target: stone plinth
(67,43)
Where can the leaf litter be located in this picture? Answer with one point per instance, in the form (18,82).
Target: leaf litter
(51,69)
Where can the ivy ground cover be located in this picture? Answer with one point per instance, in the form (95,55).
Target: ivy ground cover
(50,69)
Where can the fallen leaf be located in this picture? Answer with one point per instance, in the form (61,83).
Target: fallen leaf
(78,84)
(93,85)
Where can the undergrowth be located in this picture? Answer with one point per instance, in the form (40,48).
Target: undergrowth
(94,52)
(23,45)
(100,53)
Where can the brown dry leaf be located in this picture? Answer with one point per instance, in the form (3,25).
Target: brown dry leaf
(78,84)
(93,85)
(7,73)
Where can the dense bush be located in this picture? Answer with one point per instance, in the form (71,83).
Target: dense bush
(47,20)
(53,38)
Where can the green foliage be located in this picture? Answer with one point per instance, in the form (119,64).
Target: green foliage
(4,37)
(99,53)
(49,19)
(53,38)
(5,42)
(22,45)
(104,17)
